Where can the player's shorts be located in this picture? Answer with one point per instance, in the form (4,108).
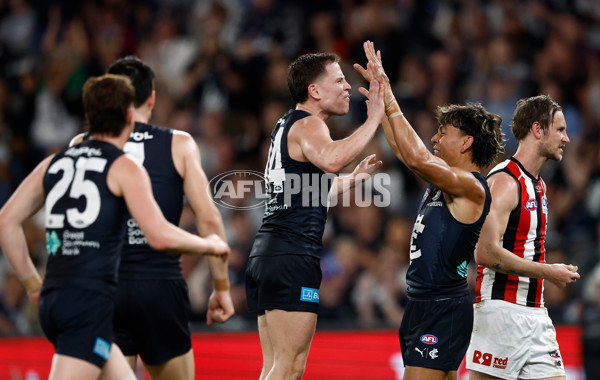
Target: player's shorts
(283,282)
(78,322)
(152,319)
(435,334)
(512,341)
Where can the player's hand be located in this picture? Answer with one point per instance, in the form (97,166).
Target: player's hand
(366,167)
(220,248)
(563,274)
(375,71)
(375,103)
(34,298)
(220,307)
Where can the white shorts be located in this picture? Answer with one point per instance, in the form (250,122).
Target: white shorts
(513,342)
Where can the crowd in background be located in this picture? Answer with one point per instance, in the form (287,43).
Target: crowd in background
(221,70)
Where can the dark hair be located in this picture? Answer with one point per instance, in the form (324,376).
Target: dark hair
(529,110)
(484,126)
(304,70)
(141,75)
(106,100)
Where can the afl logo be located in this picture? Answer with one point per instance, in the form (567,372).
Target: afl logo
(429,339)
(531,205)
(238,189)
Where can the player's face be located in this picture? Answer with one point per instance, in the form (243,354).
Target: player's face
(555,138)
(447,143)
(333,90)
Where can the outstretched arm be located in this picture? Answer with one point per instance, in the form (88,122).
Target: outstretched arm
(490,254)
(409,147)
(25,201)
(208,221)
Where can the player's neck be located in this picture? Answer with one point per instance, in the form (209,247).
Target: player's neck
(313,109)
(530,159)
(141,114)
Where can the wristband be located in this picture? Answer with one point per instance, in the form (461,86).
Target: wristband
(221,284)
(32,283)
(393,109)
(399,113)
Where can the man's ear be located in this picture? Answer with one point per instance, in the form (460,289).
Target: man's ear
(151,101)
(537,130)
(467,143)
(313,91)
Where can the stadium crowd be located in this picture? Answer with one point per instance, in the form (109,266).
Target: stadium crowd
(221,70)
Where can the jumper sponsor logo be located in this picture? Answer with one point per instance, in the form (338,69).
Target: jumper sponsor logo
(72,241)
(531,205)
(84,150)
(429,339)
(247,189)
(434,200)
(309,294)
(53,242)
(489,360)
(139,136)
(135,236)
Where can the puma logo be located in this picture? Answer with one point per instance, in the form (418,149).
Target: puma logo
(422,352)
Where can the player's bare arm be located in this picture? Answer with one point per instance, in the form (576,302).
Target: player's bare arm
(25,201)
(130,180)
(309,138)
(459,185)
(186,157)
(490,254)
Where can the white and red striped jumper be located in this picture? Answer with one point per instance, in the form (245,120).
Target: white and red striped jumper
(524,236)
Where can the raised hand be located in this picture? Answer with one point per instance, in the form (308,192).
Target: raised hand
(375,71)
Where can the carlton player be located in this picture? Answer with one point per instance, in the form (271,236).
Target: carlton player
(436,326)
(159,332)
(513,337)
(85,190)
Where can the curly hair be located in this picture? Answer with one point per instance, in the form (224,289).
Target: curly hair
(484,126)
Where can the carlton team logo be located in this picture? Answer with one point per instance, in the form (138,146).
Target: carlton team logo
(429,339)
(531,205)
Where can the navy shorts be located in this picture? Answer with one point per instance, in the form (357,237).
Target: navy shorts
(78,322)
(436,334)
(152,319)
(283,282)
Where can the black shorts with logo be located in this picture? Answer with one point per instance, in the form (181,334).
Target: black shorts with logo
(152,319)
(283,282)
(436,334)
(78,322)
